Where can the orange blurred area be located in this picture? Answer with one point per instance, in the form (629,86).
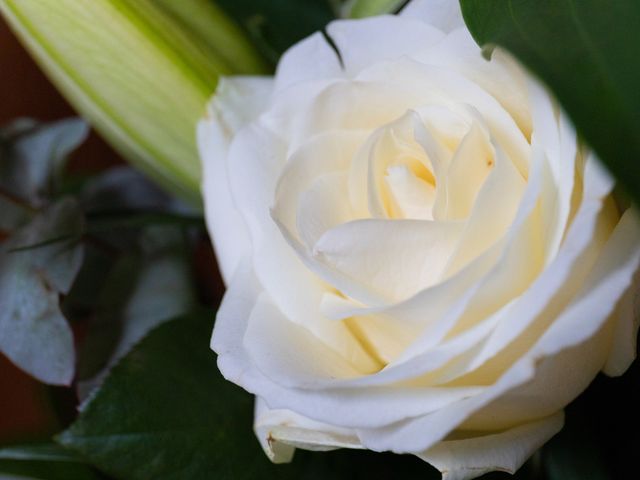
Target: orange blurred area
(25,408)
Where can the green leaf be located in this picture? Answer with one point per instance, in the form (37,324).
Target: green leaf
(42,461)
(40,451)
(587,53)
(121,189)
(368,8)
(32,470)
(142,290)
(140,72)
(33,332)
(574,454)
(275,25)
(165,412)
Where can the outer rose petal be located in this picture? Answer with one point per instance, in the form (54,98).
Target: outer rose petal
(238,100)
(505,451)
(312,58)
(280,432)
(625,334)
(442,14)
(370,40)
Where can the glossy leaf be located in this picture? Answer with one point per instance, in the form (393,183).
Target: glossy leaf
(42,462)
(165,412)
(50,452)
(140,71)
(587,53)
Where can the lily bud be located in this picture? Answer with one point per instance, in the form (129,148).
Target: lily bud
(140,72)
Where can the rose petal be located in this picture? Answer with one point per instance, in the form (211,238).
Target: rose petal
(281,431)
(327,152)
(443,14)
(506,451)
(363,42)
(238,100)
(396,258)
(310,59)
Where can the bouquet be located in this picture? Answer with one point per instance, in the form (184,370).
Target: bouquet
(351,239)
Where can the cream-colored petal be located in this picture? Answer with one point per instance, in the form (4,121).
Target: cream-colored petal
(442,14)
(280,432)
(310,59)
(323,206)
(560,365)
(506,451)
(231,323)
(524,320)
(411,196)
(238,101)
(332,151)
(365,41)
(290,355)
(355,105)
(502,77)
(396,258)
(492,213)
(438,86)
(472,162)
(255,159)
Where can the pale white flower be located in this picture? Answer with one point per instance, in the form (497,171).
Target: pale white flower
(420,256)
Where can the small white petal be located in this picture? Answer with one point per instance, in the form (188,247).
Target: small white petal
(238,101)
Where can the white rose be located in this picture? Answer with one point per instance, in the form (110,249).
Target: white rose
(420,256)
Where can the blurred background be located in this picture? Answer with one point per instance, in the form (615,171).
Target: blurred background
(29,410)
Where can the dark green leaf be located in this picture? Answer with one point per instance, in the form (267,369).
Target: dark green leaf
(165,412)
(14,213)
(33,332)
(367,8)
(122,188)
(43,461)
(120,203)
(275,25)
(574,453)
(142,290)
(118,220)
(51,452)
(587,52)
(37,470)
